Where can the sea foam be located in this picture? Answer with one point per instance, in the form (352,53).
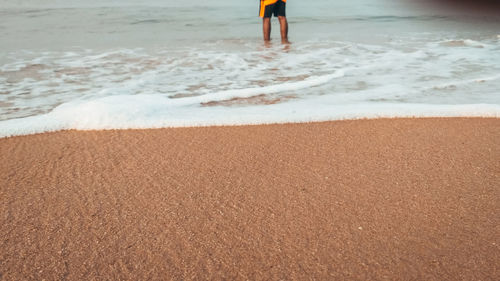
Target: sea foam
(155,111)
(215,84)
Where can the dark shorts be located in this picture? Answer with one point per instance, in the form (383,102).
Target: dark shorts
(278,9)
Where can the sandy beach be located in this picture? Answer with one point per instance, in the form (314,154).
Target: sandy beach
(405,199)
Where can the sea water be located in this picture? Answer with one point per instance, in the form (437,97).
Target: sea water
(114,64)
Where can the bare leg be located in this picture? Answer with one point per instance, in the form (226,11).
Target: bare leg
(284,29)
(266,24)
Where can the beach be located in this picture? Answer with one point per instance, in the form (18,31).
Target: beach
(164,140)
(405,199)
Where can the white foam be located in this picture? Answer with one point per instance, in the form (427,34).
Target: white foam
(157,111)
(246,93)
(329,80)
(472,43)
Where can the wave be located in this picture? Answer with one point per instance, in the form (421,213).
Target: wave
(156,111)
(235,83)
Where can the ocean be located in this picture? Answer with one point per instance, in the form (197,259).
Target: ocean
(114,64)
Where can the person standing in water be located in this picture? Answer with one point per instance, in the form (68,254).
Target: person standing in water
(278,8)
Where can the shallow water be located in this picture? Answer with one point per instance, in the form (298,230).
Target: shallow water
(120,64)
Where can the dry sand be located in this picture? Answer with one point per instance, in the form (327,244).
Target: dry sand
(374,199)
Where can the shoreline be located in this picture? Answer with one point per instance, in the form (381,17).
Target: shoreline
(155,112)
(399,198)
(32,132)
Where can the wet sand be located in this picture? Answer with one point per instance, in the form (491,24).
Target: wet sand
(393,199)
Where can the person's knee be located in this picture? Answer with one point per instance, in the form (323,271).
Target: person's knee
(282,18)
(266,20)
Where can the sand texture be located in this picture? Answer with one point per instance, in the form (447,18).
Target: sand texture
(404,199)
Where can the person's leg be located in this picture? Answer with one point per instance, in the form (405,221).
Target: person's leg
(284,29)
(266,24)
